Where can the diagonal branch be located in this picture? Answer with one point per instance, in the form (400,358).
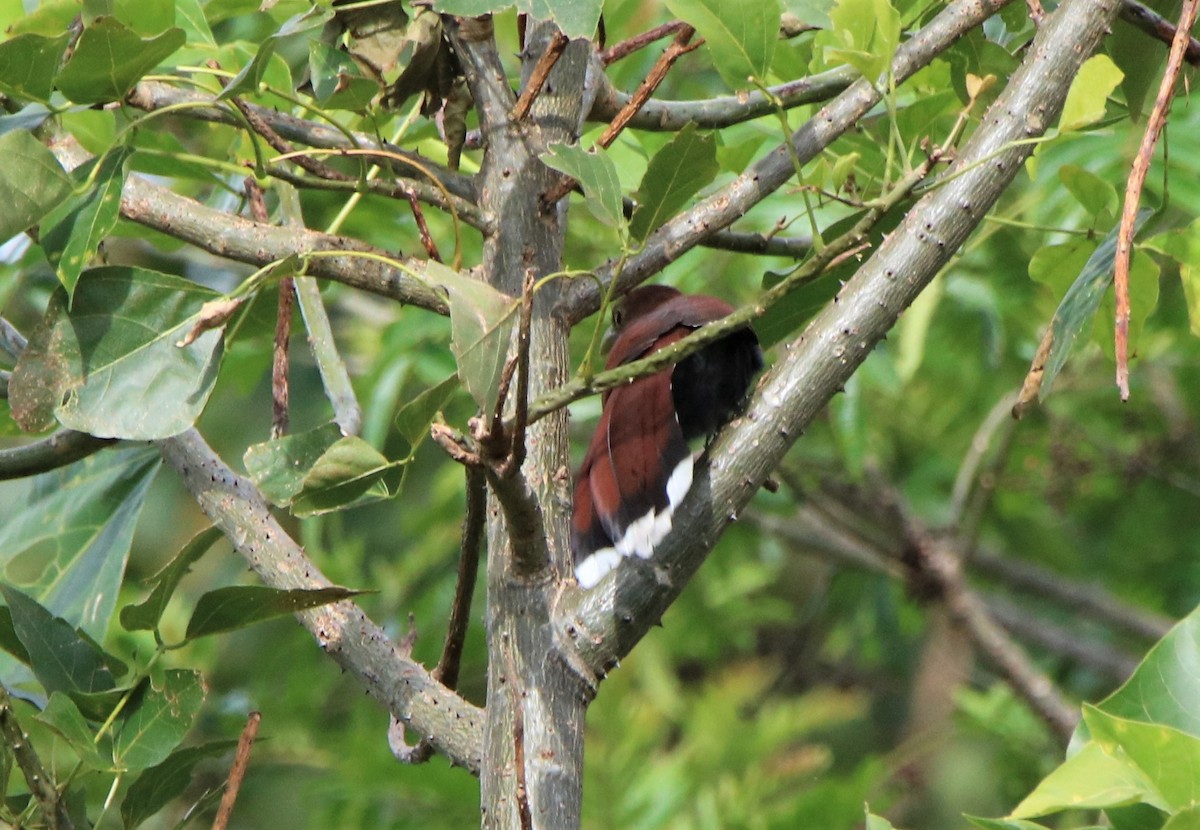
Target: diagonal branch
(342,630)
(242,240)
(603,624)
(720,209)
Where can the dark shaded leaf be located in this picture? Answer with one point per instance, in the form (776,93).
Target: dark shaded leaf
(251,75)
(32,182)
(61,659)
(145,616)
(228,609)
(28,63)
(161,784)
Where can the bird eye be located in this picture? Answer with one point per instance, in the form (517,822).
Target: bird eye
(618,317)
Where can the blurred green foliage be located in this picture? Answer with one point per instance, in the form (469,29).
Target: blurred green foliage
(799,677)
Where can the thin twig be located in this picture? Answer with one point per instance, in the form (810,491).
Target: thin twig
(60,449)
(455,445)
(282,145)
(39,781)
(1158,27)
(516,452)
(238,772)
(283,322)
(627,47)
(422,228)
(468,568)
(541,71)
(1137,178)
(679,46)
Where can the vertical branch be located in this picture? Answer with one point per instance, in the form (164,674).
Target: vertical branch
(40,784)
(468,569)
(1137,178)
(238,772)
(283,323)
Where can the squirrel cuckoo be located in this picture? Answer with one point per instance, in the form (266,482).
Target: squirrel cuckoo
(638,466)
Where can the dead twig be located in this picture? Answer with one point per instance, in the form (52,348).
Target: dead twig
(541,71)
(468,568)
(680,46)
(516,451)
(1137,178)
(283,322)
(627,47)
(423,228)
(240,761)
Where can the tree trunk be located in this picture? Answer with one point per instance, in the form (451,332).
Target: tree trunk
(533,739)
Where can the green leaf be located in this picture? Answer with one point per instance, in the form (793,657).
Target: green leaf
(1165,687)
(279,466)
(350,472)
(228,609)
(28,63)
(161,784)
(72,240)
(1186,819)
(1098,197)
(481,331)
(251,75)
(1005,823)
(157,718)
(1077,311)
(1089,93)
(63,716)
(596,174)
(1167,757)
(32,182)
(110,58)
(1091,778)
(1184,246)
(62,660)
(577,18)
(337,81)
(741,34)
(414,418)
(685,164)
(865,35)
(9,641)
(145,616)
(147,17)
(111,365)
(68,544)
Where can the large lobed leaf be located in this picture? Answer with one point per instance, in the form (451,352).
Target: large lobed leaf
(68,543)
(110,365)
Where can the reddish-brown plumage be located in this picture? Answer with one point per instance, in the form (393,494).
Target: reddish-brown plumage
(638,464)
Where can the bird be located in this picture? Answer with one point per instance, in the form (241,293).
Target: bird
(638,465)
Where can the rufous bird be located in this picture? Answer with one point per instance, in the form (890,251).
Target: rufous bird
(638,466)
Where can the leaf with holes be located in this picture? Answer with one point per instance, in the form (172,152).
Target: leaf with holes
(157,718)
(110,366)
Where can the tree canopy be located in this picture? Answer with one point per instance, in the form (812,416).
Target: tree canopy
(301,313)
